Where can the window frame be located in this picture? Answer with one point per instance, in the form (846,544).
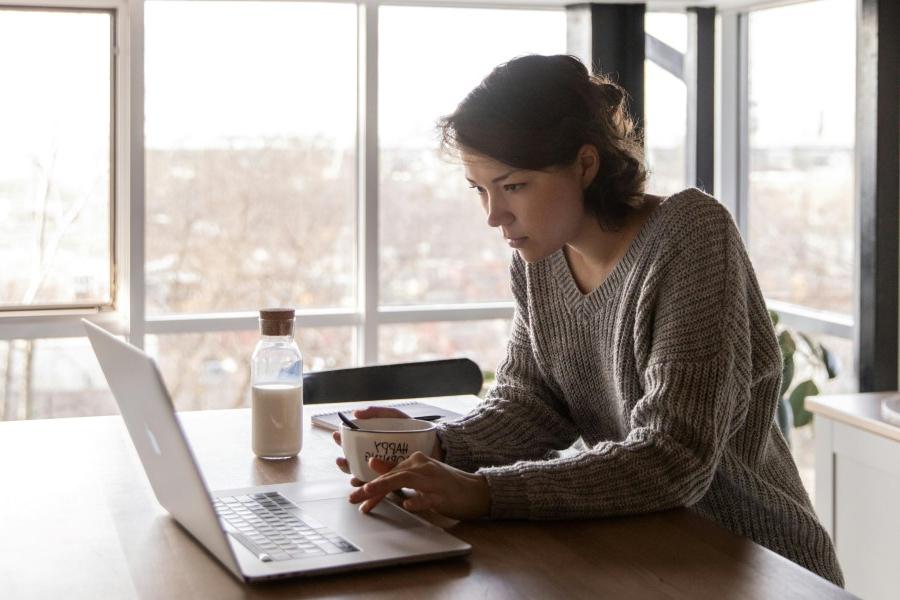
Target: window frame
(32,314)
(33,323)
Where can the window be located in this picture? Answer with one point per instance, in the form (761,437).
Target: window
(254,183)
(801,152)
(56,217)
(250,155)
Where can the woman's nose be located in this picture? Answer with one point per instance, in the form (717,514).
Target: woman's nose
(497,213)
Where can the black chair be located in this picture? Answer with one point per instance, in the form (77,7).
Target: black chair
(388,382)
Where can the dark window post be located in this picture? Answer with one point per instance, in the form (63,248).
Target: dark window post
(701,96)
(878,194)
(610,39)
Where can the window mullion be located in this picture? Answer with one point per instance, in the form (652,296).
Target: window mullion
(700,69)
(131,59)
(367,204)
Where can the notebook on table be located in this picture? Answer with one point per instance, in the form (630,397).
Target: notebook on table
(414,408)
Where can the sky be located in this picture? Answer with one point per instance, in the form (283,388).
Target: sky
(216,71)
(802,91)
(266,55)
(54,90)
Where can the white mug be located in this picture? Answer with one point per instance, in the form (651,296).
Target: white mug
(389,439)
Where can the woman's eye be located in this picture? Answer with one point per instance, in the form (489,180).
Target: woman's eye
(512,187)
(477,188)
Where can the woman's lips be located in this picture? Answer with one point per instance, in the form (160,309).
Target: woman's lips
(517,242)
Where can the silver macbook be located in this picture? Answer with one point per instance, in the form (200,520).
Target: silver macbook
(264,532)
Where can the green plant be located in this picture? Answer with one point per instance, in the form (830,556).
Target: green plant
(489,378)
(817,358)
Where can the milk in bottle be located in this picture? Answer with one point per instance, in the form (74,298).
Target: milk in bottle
(276,375)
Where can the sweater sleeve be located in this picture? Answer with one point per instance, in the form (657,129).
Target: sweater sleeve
(693,323)
(521,417)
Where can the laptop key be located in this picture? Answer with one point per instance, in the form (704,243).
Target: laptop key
(346,546)
(331,549)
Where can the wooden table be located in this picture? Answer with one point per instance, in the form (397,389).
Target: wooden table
(78,520)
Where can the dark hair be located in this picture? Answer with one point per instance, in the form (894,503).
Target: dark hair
(535,112)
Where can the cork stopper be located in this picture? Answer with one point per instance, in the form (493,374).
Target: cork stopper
(276,321)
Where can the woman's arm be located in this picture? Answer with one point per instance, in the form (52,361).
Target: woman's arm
(697,380)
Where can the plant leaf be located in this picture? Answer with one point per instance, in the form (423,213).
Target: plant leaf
(774,316)
(812,345)
(787,344)
(800,393)
(831,362)
(785,419)
(787,374)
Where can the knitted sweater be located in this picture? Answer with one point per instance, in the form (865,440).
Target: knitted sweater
(669,372)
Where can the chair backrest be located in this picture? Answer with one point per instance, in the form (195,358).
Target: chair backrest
(387,382)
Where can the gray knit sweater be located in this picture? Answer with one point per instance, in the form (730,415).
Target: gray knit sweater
(669,372)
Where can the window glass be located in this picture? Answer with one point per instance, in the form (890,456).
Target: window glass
(665,130)
(801,165)
(212,370)
(52,378)
(49,378)
(665,109)
(55,156)
(251,156)
(482,341)
(668,27)
(435,244)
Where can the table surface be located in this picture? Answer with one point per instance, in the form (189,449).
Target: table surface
(78,520)
(863,411)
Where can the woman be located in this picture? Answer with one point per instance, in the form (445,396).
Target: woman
(639,328)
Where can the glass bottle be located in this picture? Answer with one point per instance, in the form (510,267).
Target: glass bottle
(276,377)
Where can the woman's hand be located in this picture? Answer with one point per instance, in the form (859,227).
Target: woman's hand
(375,412)
(438,487)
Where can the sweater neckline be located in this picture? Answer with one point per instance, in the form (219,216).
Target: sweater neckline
(589,303)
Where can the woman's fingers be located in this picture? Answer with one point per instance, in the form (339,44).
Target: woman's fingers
(379,412)
(379,466)
(421,501)
(336,436)
(386,484)
(344,466)
(371,503)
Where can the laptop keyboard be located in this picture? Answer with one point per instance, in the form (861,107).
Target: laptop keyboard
(274,528)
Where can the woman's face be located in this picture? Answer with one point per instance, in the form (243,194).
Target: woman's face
(537,212)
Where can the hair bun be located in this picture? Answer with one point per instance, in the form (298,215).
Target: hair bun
(611,94)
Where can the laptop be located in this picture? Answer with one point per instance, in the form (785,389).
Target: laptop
(263,532)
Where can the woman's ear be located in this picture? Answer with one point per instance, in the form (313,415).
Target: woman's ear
(588,163)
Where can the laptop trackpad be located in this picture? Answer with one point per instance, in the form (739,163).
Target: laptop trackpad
(344,517)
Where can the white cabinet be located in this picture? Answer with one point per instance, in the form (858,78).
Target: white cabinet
(858,490)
